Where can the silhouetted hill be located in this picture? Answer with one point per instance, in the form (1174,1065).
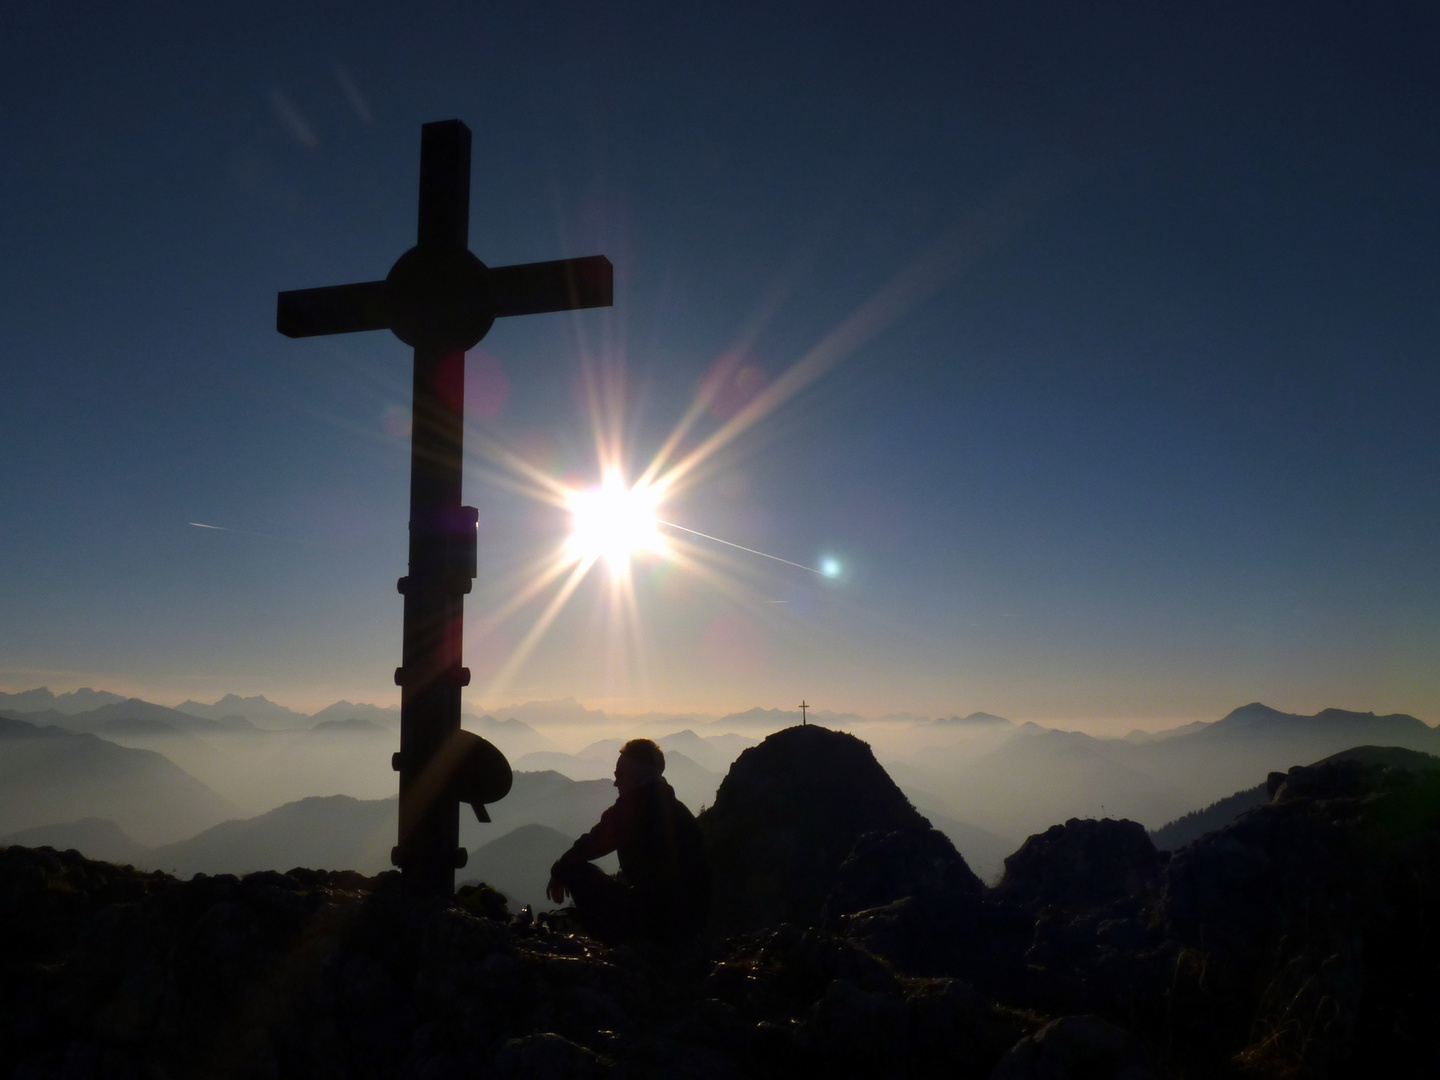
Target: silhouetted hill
(568,806)
(335,832)
(713,753)
(1016,780)
(95,838)
(786,816)
(518,864)
(1197,823)
(50,775)
(1343,723)
(134,710)
(1190,827)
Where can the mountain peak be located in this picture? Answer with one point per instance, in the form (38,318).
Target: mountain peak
(1257,714)
(804,789)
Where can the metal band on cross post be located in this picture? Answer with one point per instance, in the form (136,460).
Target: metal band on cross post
(441,300)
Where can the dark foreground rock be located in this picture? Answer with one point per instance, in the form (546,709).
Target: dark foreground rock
(1082,865)
(1298,942)
(112,973)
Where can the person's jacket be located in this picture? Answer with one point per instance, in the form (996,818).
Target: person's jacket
(658,841)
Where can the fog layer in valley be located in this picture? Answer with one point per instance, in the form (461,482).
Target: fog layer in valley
(244,784)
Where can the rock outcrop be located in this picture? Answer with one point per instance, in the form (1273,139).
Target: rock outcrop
(1299,941)
(1081,865)
(786,816)
(887,866)
(111,973)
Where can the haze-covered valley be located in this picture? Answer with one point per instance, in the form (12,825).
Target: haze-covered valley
(244,784)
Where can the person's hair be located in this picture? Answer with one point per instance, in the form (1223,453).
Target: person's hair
(646,752)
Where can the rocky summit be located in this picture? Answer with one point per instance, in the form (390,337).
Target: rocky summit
(786,816)
(1297,942)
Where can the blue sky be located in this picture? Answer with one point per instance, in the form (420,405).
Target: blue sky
(1143,426)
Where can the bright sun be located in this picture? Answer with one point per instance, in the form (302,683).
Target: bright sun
(613,521)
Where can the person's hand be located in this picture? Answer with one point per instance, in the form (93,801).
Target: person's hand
(555,891)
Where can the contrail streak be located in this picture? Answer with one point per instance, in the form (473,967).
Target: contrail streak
(740,547)
(251,532)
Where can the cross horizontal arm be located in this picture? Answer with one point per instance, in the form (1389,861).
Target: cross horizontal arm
(335,309)
(562,285)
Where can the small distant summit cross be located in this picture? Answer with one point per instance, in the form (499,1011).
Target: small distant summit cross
(441,300)
(803,707)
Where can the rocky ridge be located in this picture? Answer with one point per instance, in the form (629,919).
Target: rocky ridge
(1295,942)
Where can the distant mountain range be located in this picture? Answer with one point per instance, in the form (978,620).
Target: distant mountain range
(1020,779)
(263,713)
(975,720)
(49,775)
(334,832)
(41,700)
(162,774)
(260,711)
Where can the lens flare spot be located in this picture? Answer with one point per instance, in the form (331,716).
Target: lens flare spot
(733,381)
(486,388)
(396,421)
(613,522)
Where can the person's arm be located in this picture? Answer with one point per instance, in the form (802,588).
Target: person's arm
(601,840)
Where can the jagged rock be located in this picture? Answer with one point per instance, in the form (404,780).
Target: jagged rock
(1298,941)
(889,866)
(981,939)
(1314,919)
(335,975)
(1081,865)
(850,1023)
(1076,1048)
(786,816)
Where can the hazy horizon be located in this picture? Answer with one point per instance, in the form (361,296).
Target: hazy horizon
(616,716)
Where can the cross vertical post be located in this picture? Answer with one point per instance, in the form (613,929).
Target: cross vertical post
(803,707)
(430,673)
(441,300)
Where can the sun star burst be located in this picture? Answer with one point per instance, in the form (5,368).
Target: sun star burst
(614,522)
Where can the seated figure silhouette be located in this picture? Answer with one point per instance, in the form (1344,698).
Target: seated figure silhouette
(663,889)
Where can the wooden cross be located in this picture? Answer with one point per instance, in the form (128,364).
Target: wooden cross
(441,300)
(803,707)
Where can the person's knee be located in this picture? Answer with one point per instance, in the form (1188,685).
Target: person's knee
(569,873)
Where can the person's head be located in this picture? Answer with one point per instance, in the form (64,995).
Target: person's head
(640,762)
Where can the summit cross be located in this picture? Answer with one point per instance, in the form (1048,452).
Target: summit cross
(441,300)
(803,707)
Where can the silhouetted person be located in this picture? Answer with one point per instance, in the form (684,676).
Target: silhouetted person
(663,888)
